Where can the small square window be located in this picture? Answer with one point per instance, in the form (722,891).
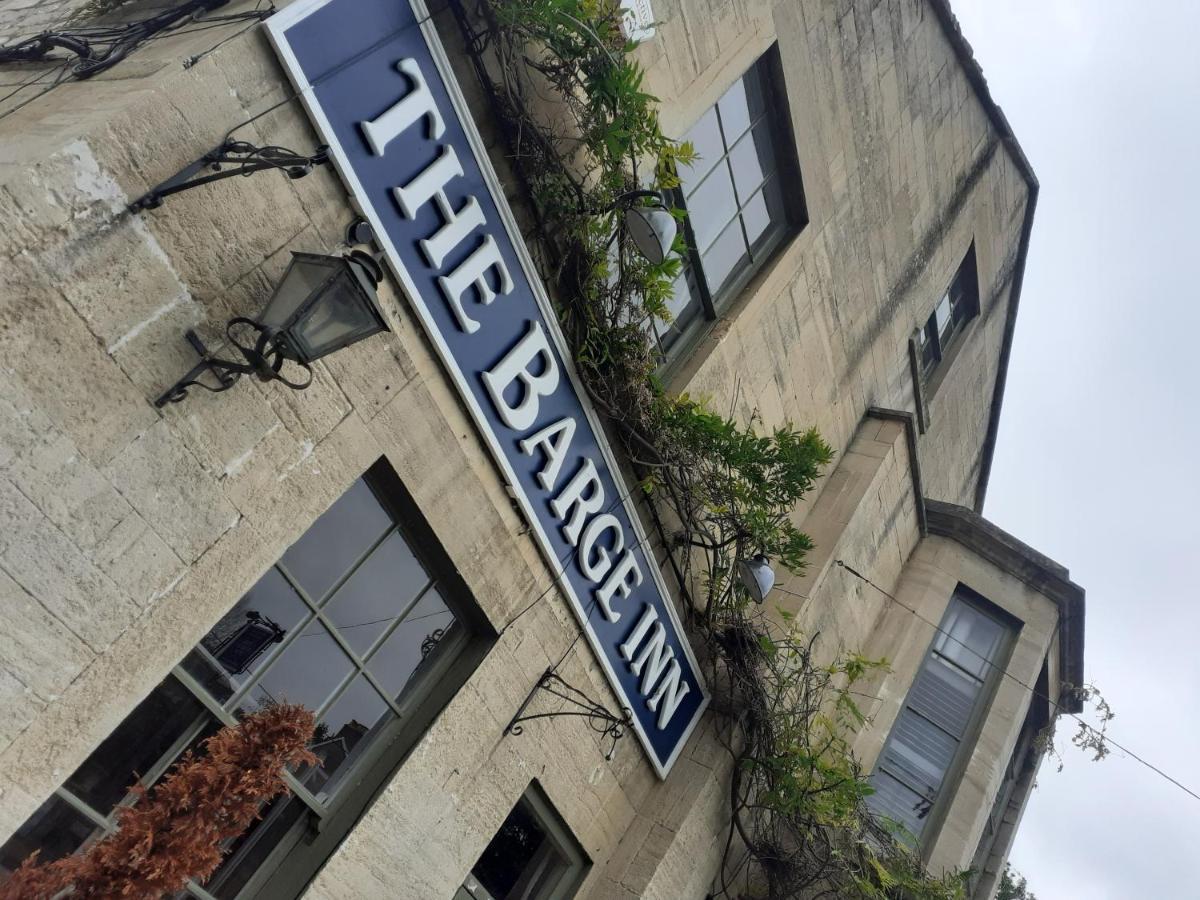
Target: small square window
(958,306)
(532,857)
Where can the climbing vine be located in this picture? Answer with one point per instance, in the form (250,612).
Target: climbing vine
(580,132)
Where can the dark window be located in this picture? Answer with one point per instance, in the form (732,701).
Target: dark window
(950,692)
(742,195)
(532,857)
(364,622)
(957,307)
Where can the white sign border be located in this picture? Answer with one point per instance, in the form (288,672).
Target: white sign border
(276,26)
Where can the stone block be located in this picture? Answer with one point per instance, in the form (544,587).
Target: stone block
(23,425)
(50,567)
(69,491)
(138,560)
(65,372)
(38,651)
(372,373)
(169,488)
(313,412)
(118,279)
(20,705)
(222,430)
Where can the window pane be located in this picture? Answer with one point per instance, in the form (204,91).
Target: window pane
(930,352)
(944,695)
(246,853)
(170,713)
(972,638)
(899,803)
(763,211)
(722,258)
(684,306)
(735,107)
(247,635)
(344,733)
(942,314)
(752,160)
(376,593)
(705,136)
(307,672)
(336,540)
(57,829)
(712,206)
(413,640)
(919,753)
(521,861)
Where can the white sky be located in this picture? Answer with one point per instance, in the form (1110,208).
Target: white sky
(1096,459)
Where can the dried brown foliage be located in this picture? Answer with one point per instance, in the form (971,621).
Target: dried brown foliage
(176,830)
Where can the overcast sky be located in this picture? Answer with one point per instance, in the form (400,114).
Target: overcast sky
(1097,459)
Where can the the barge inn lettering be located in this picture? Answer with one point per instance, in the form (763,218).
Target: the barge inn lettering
(377,86)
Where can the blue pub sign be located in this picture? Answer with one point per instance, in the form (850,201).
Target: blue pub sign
(376,84)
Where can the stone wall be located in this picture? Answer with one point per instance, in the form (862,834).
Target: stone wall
(902,169)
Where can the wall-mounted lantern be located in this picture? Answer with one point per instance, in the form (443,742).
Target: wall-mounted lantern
(757,577)
(322,304)
(652,228)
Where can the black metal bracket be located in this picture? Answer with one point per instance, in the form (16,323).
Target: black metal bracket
(242,158)
(599,718)
(263,360)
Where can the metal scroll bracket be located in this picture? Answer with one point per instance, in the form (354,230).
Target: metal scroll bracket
(579,704)
(229,159)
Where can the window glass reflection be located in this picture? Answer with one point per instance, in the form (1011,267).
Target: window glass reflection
(171,714)
(712,206)
(376,593)
(735,111)
(344,733)
(247,635)
(895,801)
(705,136)
(337,540)
(722,258)
(752,160)
(684,306)
(307,672)
(412,642)
(971,639)
(57,829)
(521,860)
(279,824)
(920,752)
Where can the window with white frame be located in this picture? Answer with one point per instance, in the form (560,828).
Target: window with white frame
(364,622)
(742,195)
(533,856)
(949,318)
(937,723)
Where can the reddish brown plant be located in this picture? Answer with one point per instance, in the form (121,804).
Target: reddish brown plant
(176,830)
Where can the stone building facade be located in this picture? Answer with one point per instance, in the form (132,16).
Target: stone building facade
(877,304)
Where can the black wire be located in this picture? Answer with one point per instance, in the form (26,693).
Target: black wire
(109,36)
(1032,690)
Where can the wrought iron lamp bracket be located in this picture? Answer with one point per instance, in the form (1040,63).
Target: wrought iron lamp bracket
(263,360)
(229,159)
(600,719)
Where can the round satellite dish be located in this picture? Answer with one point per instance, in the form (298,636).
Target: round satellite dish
(652,229)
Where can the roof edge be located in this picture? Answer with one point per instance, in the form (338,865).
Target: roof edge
(974,73)
(1047,577)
